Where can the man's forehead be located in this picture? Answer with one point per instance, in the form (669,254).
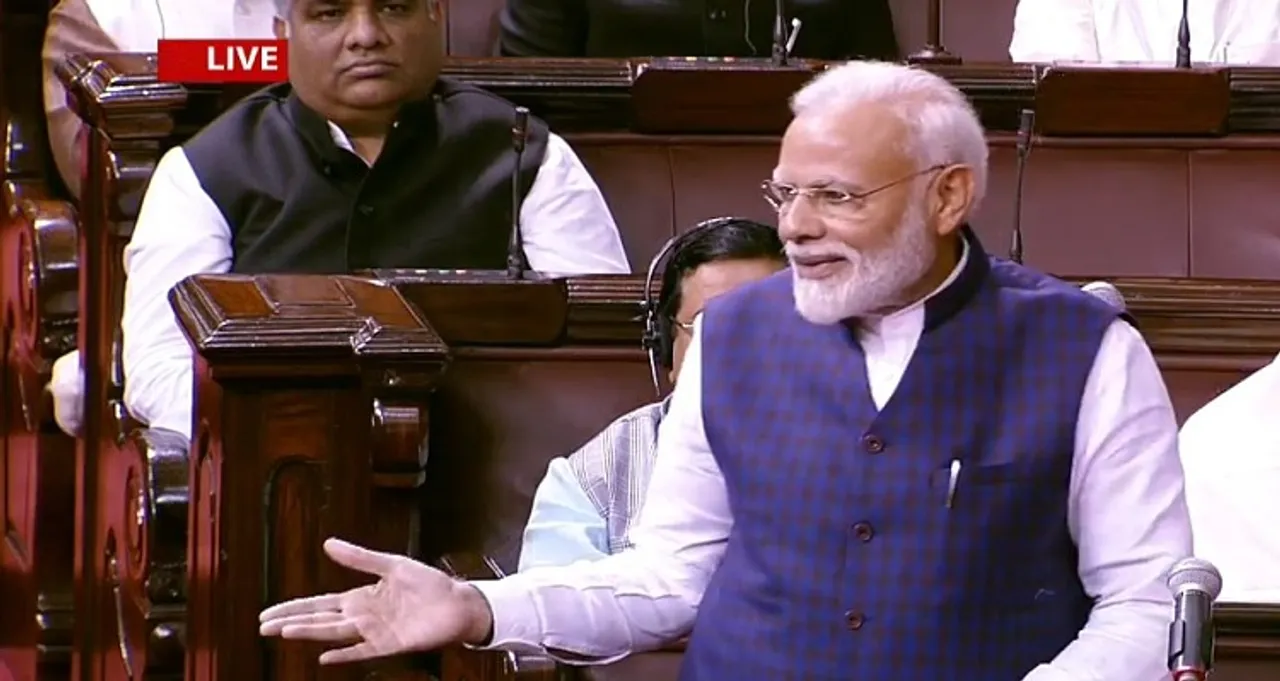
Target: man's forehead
(849,142)
(353,3)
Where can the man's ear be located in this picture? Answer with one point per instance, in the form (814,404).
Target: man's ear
(435,10)
(280,28)
(952,198)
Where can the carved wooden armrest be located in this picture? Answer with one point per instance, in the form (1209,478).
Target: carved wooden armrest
(156,475)
(38,240)
(46,258)
(464,664)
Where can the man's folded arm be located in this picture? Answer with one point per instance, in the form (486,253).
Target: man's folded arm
(565,223)
(564,526)
(648,596)
(72,30)
(1127,514)
(1054,30)
(179,232)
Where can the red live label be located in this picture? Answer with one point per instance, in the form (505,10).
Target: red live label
(223,61)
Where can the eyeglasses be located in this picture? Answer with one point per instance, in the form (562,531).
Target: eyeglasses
(686,327)
(781,196)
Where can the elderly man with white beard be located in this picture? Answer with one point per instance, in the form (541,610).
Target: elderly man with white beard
(901,460)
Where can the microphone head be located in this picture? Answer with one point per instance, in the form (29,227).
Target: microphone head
(1107,293)
(1195,574)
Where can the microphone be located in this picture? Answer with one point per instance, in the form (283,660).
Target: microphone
(1195,584)
(1026,130)
(515,244)
(1109,294)
(1184,40)
(780,52)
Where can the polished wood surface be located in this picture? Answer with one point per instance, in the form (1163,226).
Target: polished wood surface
(681,96)
(37,324)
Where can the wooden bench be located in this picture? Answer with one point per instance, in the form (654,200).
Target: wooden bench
(38,283)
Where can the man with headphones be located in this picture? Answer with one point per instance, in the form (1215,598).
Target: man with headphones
(584,507)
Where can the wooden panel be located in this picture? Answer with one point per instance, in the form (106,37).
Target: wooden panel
(974,30)
(1194,388)
(1235,211)
(635,178)
(1090,208)
(511,412)
(472,26)
(711,178)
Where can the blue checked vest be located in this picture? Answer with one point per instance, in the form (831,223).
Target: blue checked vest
(845,561)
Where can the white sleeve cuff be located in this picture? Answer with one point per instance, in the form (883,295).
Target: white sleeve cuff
(516,621)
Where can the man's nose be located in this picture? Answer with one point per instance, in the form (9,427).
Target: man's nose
(366,31)
(798,222)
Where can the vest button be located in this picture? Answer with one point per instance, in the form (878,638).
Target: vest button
(863,531)
(854,620)
(872,443)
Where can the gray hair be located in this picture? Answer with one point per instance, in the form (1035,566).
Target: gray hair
(943,126)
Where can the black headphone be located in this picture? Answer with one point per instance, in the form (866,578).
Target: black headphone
(658,339)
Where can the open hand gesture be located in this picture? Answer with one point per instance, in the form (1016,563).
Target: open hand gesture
(411,607)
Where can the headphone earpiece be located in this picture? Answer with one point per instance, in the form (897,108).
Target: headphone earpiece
(657,338)
(666,341)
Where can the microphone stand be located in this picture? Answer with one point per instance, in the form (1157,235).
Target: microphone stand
(933,52)
(1183,54)
(1026,134)
(515,243)
(780,55)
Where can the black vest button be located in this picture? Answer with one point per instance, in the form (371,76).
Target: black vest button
(863,531)
(365,209)
(854,620)
(872,443)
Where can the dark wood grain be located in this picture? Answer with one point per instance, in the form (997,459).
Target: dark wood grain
(657,96)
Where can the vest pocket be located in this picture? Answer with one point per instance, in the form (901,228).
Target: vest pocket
(989,538)
(953,484)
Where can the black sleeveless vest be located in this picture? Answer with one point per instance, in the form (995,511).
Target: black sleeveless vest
(439,195)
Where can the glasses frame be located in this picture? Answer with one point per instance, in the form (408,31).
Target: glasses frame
(770,189)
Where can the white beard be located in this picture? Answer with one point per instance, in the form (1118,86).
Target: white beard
(872,280)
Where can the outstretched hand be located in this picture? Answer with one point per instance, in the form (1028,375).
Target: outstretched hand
(412,607)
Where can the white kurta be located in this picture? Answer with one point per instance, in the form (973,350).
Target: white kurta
(1222,31)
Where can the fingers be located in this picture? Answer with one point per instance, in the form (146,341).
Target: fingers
(359,558)
(302,606)
(276,626)
(360,651)
(340,630)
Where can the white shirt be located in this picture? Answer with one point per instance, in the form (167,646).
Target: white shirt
(1231,452)
(136,25)
(1126,512)
(566,226)
(1108,31)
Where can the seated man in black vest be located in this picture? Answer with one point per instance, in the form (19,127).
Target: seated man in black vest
(365,159)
